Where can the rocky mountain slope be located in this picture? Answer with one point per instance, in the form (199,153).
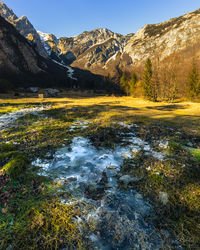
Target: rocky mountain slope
(24,26)
(164,39)
(156,41)
(16,53)
(22,65)
(89,49)
(101,50)
(104,52)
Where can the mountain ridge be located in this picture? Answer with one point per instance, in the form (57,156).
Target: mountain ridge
(24,26)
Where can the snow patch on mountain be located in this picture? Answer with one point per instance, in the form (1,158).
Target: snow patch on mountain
(70,71)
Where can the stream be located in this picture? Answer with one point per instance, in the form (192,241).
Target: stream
(123,217)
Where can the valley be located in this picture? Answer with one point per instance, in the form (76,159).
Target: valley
(99,132)
(87,155)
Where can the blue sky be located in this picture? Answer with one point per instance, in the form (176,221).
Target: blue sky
(72,17)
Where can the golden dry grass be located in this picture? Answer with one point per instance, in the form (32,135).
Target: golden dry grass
(126,106)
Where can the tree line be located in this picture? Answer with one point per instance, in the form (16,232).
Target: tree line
(157,82)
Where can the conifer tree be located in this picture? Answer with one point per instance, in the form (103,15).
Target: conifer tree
(194,82)
(148,85)
(124,83)
(132,83)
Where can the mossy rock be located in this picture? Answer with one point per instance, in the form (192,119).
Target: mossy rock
(16,167)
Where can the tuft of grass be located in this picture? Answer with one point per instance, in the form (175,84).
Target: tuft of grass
(16,167)
(196,154)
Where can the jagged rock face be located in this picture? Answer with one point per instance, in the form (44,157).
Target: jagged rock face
(16,53)
(79,44)
(23,25)
(87,50)
(164,39)
(96,57)
(6,12)
(49,41)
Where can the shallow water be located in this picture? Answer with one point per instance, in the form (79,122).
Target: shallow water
(123,218)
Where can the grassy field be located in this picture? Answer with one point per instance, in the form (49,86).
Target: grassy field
(25,197)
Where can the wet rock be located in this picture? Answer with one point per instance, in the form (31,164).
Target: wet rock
(71,179)
(138,196)
(94,192)
(189,144)
(112,167)
(104,179)
(165,233)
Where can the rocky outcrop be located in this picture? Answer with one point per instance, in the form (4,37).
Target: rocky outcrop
(22,66)
(24,26)
(163,39)
(16,53)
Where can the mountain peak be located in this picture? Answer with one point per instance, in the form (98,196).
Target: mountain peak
(24,26)
(6,12)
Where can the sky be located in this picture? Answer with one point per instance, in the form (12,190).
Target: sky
(72,17)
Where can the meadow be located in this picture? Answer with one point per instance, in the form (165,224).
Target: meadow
(165,163)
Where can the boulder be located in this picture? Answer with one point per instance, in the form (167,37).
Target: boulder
(33,89)
(51,92)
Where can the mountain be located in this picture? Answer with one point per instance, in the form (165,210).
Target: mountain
(164,39)
(177,37)
(102,51)
(171,44)
(22,66)
(24,26)
(91,49)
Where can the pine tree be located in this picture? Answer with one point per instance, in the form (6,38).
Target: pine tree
(193,82)
(124,83)
(148,85)
(132,83)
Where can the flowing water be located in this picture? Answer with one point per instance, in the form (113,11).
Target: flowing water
(123,217)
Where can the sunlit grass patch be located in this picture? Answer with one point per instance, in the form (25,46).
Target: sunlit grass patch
(196,154)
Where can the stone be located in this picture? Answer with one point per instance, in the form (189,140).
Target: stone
(33,89)
(104,179)
(71,179)
(51,92)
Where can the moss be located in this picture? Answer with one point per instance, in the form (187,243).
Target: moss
(106,137)
(174,147)
(16,167)
(50,225)
(191,196)
(6,147)
(196,154)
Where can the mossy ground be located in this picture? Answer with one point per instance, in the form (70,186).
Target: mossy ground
(32,216)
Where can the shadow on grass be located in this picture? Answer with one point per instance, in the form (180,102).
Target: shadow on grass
(169,107)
